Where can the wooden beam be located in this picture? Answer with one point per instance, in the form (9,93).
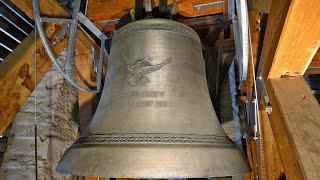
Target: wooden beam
(47,8)
(299,41)
(17,74)
(295,121)
(100,11)
(276,19)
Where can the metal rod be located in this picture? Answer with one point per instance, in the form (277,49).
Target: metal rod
(86,22)
(60,20)
(6,47)
(8,34)
(25,20)
(72,39)
(12,23)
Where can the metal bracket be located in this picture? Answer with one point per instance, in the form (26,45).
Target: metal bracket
(264,93)
(65,29)
(95,60)
(201,7)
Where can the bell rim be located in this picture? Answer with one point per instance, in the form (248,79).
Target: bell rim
(231,150)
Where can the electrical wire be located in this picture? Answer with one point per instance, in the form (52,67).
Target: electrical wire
(35,105)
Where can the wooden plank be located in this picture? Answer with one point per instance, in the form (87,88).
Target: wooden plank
(262,6)
(295,121)
(299,41)
(100,11)
(276,19)
(47,8)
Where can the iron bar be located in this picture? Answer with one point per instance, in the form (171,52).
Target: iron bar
(24,19)
(11,36)
(60,20)
(6,47)
(12,23)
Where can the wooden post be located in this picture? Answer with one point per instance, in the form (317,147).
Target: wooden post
(295,121)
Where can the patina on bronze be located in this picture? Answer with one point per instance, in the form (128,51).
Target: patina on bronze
(155,118)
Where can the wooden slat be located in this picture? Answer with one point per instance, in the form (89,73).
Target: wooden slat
(299,41)
(276,19)
(100,11)
(295,121)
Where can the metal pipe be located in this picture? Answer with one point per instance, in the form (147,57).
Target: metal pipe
(62,20)
(49,51)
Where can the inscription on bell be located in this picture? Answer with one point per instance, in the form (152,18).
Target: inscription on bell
(124,100)
(142,67)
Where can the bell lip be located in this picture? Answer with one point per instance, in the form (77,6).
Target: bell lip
(243,165)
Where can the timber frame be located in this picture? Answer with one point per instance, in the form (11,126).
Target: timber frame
(291,43)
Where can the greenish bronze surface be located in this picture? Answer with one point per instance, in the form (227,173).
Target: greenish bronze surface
(155,118)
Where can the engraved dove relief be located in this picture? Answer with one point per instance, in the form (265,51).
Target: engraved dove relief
(140,68)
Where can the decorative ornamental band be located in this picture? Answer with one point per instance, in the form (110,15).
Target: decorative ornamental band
(157,27)
(154,139)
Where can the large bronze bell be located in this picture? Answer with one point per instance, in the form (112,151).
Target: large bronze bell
(155,118)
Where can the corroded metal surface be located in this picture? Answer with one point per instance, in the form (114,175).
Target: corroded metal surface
(155,118)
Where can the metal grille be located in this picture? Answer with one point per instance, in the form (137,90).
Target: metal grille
(14,27)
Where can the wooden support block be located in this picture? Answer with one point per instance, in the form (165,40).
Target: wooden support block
(276,19)
(295,121)
(299,41)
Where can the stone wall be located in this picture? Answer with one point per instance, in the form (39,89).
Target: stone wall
(57,116)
